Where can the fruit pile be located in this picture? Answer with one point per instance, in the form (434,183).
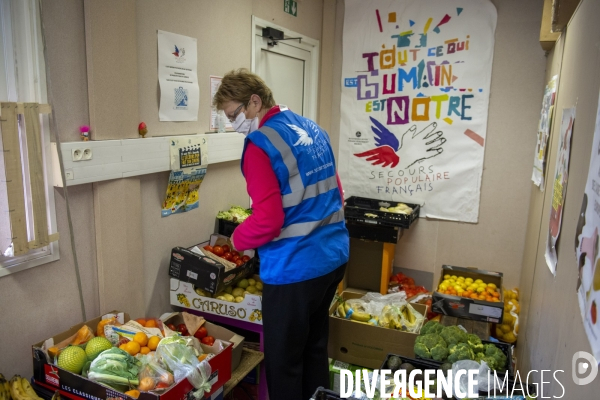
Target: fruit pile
(468,287)
(238,293)
(126,356)
(18,388)
(508,330)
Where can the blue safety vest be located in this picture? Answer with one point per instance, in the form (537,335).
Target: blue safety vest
(313,240)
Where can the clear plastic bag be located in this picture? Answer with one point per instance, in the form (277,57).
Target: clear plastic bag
(481,377)
(154,375)
(182,360)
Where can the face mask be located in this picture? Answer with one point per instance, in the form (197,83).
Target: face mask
(243,125)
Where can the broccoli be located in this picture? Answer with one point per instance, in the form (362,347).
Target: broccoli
(453,335)
(496,356)
(491,362)
(475,343)
(460,351)
(431,346)
(432,327)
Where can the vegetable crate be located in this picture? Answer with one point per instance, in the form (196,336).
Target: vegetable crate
(325,394)
(225,227)
(423,365)
(462,307)
(367,211)
(74,386)
(204,272)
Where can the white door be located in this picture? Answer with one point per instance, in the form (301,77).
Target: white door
(290,68)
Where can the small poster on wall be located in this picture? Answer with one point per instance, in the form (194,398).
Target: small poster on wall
(215,82)
(544,127)
(189,158)
(586,247)
(559,186)
(178,77)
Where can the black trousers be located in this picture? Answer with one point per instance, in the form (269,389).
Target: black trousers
(296,329)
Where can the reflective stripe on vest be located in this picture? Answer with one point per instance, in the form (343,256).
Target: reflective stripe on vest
(294,180)
(299,193)
(304,228)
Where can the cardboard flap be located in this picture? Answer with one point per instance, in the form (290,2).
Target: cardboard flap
(192,322)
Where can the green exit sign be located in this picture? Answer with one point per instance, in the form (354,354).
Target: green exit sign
(290,7)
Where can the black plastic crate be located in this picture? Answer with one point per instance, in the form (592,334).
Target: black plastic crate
(376,233)
(326,394)
(225,227)
(367,211)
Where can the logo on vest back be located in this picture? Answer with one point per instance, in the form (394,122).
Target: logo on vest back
(303,138)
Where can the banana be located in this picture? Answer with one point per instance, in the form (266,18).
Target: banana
(29,390)
(360,316)
(56,396)
(7,393)
(341,311)
(16,390)
(3,394)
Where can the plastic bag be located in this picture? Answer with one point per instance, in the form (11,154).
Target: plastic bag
(481,377)
(508,330)
(154,376)
(181,359)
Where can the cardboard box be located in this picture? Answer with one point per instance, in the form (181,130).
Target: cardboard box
(75,386)
(363,344)
(204,272)
(183,295)
(461,307)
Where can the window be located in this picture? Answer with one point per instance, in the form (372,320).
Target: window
(23,80)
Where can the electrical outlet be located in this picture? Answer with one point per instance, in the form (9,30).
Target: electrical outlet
(77,154)
(87,154)
(69,175)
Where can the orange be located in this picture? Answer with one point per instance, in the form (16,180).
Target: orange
(202,356)
(496,294)
(141,321)
(133,393)
(141,338)
(144,350)
(132,347)
(150,323)
(153,342)
(122,347)
(474,296)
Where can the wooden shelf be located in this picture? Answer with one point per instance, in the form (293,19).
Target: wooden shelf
(250,359)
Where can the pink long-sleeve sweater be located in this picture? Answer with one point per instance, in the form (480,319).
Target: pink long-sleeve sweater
(267,217)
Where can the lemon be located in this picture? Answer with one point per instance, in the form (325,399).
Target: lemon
(72,359)
(251,282)
(228,289)
(443,286)
(229,297)
(96,346)
(447,276)
(259,285)
(505,328)
(239,299)
(492,285)
(237,292)
(454,277)
(243,284)
(469,280)
(251,289)
(478,281)
(446,281)
(480,289)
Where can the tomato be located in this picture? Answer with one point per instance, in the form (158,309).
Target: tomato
(172,327)
(208,340)
(227,255)
(161,385)
(246,259)
(235,253)
(201,333)
(181,328)
(235,258)
(208,248)
(226,248)
(239,262)
(218,250)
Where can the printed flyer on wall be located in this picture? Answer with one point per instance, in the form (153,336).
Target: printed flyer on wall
(189,158)
(586,247)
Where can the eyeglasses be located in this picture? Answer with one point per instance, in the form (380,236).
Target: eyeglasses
(235,113)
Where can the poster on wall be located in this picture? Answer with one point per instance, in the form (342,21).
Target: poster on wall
(189,158)
(586,247)
(559,187)
(178,77)
(544,128)
(415,94)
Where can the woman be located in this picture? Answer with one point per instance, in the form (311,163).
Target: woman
(297,225)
